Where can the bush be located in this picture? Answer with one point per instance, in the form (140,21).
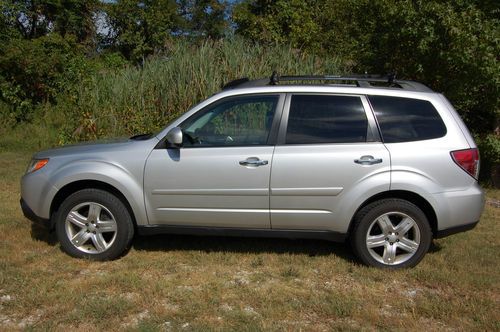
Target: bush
(34,72)
(144,99)
(489,149)
(451,46)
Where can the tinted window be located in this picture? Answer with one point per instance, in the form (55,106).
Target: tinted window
(326,119)
(405,119)
(233,121)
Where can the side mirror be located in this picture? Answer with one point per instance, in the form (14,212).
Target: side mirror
(174,138)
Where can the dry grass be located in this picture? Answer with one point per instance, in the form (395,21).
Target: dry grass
(189,283)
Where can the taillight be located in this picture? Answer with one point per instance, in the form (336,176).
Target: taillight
(468,160)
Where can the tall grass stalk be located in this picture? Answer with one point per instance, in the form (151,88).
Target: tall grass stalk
(134,100)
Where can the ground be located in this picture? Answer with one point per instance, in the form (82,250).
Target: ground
(190,283)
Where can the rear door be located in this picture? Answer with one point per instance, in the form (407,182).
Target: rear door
(328,149)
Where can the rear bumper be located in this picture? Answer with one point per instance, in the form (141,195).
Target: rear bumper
(458,211)
(28,213)
(453,230)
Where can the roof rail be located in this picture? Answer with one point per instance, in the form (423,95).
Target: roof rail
(365,81)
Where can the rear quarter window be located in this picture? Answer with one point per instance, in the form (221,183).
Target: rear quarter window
(406,119)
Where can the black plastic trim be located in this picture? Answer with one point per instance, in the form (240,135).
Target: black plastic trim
(241,232)
(29,214)
(454,230)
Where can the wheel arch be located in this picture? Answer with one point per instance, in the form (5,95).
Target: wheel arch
(75,186)
(410,196)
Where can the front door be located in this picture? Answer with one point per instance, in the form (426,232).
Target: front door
(220,177)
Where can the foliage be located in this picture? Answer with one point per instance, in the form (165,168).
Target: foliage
(282,21)
(142,28)
(452,46)
(36,71)
(34,19)
(142,99)
(54,59)
(205,18)
(489,149)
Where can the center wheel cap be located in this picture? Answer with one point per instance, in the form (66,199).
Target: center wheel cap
(392,237)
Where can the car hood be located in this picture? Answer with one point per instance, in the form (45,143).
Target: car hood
(90,148)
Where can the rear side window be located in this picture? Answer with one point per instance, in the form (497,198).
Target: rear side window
(326,119)
(406,120)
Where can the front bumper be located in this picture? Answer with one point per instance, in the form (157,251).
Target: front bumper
(28,213)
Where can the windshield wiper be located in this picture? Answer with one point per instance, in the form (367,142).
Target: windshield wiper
(141,137)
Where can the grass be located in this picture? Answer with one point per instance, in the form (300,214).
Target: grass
(137,100)
(189,283)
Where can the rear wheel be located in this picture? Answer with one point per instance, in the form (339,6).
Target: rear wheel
(391,233)
(94,224)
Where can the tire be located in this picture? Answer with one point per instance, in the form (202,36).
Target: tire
(391,233)
(94,224)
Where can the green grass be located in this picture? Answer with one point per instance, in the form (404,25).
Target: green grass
(136,100)
(190,283)
(131,100)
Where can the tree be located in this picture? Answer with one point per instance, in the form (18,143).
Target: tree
(204,18)
(34,19)
(36,71)
(141,28)
(452,46)
(281,21)
(41,50)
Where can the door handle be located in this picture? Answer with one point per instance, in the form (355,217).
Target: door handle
(253,161)
(368,160)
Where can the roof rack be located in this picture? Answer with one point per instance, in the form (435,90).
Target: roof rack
(364,81)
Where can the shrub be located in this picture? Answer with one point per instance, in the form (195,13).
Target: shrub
(34,72)
(144,99)
(489,149)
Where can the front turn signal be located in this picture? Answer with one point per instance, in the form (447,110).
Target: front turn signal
(36,164)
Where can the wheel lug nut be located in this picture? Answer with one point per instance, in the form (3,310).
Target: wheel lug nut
(397,240)
(391,243)
(387,239)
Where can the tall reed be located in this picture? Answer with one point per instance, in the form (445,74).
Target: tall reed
(133,100)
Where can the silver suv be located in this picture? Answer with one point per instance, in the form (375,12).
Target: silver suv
(386,164)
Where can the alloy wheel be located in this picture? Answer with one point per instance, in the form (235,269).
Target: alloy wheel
(91,227)
(393,238)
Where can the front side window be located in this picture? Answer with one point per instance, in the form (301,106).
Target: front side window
(317,119)
(234,121)
(406,119)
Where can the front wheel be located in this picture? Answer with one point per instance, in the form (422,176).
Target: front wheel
(391,233)
(94,224)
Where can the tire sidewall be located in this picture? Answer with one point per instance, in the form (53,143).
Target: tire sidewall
(368,214)
(122,217)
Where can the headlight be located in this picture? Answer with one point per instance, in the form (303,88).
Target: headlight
(36,164)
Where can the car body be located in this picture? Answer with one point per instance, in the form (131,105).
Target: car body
(266,159)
